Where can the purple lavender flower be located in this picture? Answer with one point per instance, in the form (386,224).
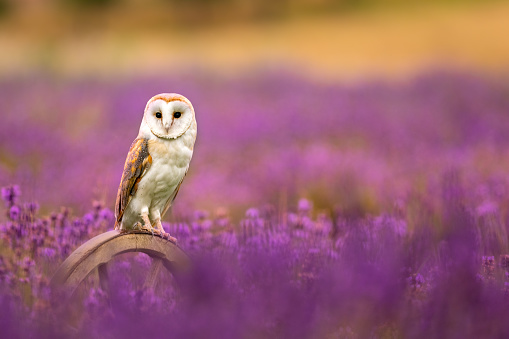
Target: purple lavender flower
(10,194)
(97,205)
(48,252)
(88,219)
(252,213)
(31,208)
(199,215)
(304,206)
(106,214)
(14,213)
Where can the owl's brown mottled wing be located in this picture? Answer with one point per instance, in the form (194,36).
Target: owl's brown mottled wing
(137,162)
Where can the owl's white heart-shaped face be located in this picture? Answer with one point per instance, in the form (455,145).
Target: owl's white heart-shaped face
(169,115)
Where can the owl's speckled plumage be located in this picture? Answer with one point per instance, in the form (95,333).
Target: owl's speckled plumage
(157,163)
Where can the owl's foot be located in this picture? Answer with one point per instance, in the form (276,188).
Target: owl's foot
(164,235)
(147,226)
(169,237)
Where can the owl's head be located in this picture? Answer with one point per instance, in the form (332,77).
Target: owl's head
(168,115)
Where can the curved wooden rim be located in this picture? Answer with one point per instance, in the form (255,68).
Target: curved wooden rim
(99,250)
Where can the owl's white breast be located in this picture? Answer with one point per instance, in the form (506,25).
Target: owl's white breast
(170,161)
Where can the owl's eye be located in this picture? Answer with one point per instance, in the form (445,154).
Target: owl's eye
(177,115)
(159,115)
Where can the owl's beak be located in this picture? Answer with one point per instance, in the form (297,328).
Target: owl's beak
(167,125)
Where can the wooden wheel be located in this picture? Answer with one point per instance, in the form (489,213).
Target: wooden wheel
(98,251)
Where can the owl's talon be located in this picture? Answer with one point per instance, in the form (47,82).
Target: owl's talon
(147,229)
(170,238)
(167,236)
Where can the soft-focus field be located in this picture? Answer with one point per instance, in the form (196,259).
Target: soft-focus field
(375,210)
(345,39)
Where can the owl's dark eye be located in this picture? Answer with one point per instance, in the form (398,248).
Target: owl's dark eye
(177,115)
(159,115)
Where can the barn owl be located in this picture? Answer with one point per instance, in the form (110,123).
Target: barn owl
(156,164)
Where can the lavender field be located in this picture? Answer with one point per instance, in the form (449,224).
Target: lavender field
(367,210)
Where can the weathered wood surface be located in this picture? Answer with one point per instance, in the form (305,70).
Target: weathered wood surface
(98,251)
